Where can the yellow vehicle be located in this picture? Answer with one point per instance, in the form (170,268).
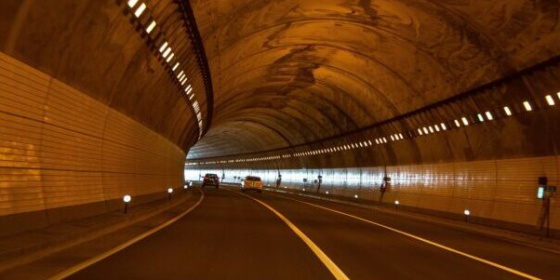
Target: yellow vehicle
(252,183)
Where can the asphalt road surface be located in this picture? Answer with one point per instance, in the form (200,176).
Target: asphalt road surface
(232,236)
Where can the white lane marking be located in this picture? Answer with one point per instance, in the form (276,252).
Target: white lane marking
(331,266)
(72,270)
(491,263)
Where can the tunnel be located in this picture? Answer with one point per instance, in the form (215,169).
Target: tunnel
(388,139)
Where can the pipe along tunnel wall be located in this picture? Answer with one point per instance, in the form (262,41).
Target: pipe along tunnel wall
(66,155)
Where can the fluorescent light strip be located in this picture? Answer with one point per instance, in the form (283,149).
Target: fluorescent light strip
(166,52)
(170,57)
(550,100)
(140,10)
(132,3)
(151,26)
(163,47)
(527,106)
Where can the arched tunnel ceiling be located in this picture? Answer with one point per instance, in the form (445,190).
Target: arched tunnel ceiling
(291,72)
(101,49)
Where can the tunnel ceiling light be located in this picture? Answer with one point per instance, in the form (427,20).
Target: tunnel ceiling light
(457,123)
(465,121)
(436,127)
(550,100)
(507,110)
(166,52)
(443,126)
(385,140)
(370,143)
(480,117)
(140,10)
(401,136)
(176,66)
(489,115)
(392,139)
(151,26)
(431,129)
(170,57)
(132,3)
(420,131)
(527,106)
(163,47)
(425,130)
(377,141)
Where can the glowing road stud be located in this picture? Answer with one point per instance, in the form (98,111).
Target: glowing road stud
(467,213)
(170,191)
(126,199)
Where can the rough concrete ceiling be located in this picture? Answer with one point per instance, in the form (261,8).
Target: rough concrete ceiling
(291,72)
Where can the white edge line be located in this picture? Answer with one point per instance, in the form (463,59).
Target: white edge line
(76,268)
(496,265)
(331,266)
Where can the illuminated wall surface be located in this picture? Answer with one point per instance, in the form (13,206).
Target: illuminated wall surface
(503,190)
(62,148)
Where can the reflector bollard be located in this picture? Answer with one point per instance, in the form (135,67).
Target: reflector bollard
(126,199)
(169,191)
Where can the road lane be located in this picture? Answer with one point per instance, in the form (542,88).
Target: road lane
(227,237)
(230,236)
(364,251)
(534,261)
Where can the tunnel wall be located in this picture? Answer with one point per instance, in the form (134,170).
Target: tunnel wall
(66,155)
(498,192)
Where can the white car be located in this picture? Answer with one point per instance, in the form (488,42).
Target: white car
(252,183)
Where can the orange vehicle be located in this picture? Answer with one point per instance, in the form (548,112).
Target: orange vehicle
(252,183)
(211,180)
